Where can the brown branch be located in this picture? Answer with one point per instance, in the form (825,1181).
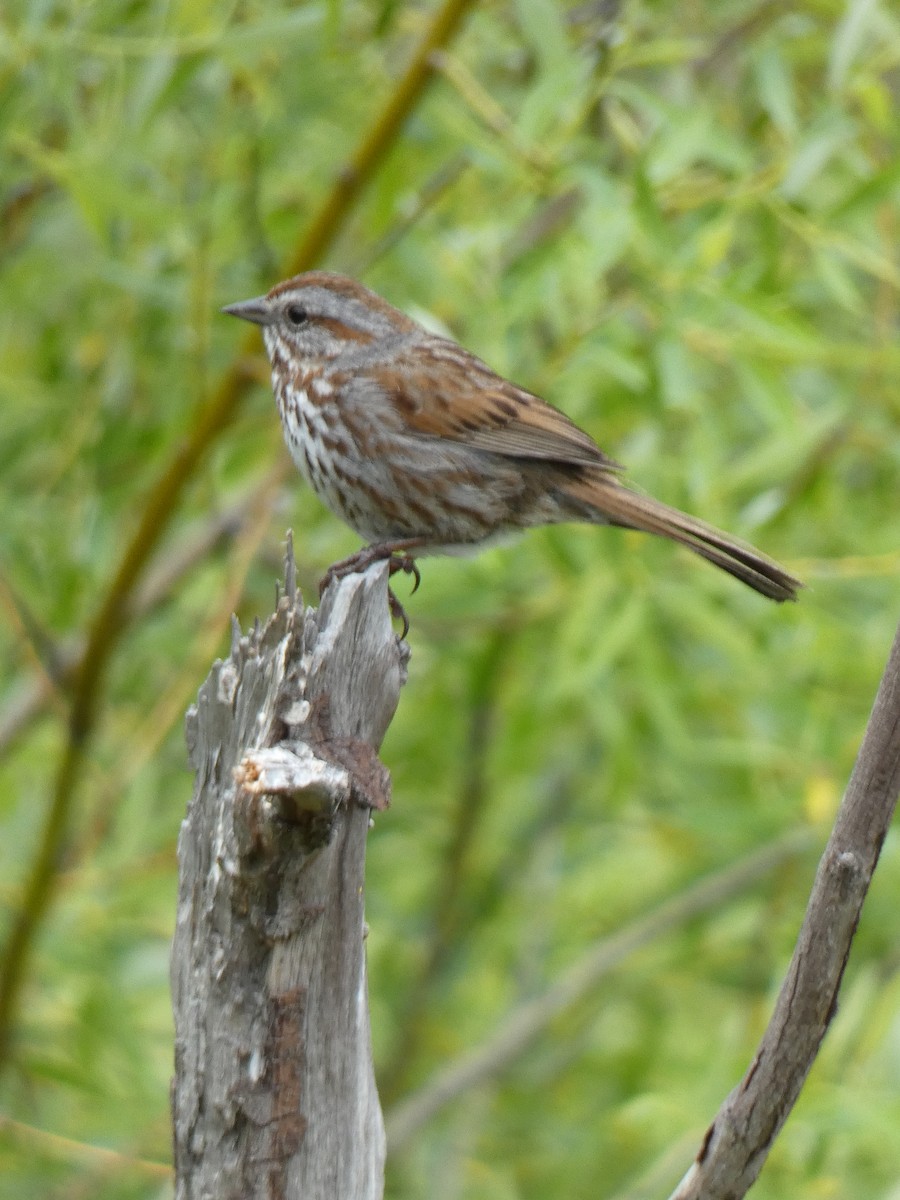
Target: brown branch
(163,499)
(739,1140)
(520,1029)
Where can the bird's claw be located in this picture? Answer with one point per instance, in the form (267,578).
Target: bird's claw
(406,563)
(363,559)
(398,612)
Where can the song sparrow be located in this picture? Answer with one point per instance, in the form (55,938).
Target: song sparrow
(421,448)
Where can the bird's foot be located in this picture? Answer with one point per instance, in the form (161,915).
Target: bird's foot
(396,554)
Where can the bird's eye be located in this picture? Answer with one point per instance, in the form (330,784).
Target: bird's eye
(296,315)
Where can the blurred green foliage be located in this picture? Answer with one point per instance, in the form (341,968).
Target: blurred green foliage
(677,221)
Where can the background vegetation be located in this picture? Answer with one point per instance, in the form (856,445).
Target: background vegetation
(679,222)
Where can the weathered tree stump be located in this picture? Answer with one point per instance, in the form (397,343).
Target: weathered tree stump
(274,1093)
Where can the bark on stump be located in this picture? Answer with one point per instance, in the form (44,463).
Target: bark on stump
(274,1092)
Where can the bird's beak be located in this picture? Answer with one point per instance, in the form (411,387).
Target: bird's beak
(257,310)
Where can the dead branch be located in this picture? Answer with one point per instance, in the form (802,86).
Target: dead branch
(274,1092)
(740,1138)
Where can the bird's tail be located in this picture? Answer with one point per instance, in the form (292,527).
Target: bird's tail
(616,504)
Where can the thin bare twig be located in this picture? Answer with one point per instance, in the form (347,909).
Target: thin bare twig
(739,1140)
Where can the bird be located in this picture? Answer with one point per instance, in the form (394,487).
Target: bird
(421,448)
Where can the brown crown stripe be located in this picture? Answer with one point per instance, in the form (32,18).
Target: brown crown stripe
(338,285)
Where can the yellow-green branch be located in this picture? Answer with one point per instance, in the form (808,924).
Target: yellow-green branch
(157,510)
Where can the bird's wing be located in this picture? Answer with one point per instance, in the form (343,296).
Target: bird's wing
(447,392)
